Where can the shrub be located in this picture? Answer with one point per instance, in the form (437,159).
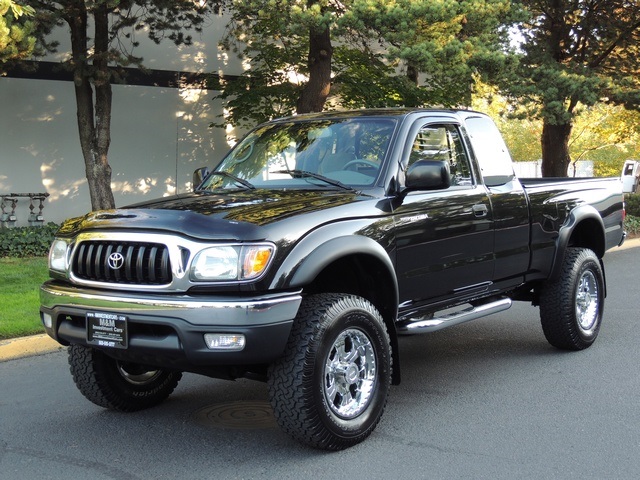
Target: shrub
(27,241)
(632,204)
(632,225)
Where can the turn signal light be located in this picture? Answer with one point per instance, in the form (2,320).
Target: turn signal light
(256,260)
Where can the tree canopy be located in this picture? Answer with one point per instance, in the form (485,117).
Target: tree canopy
(307,56)
(16,31)
(575,54)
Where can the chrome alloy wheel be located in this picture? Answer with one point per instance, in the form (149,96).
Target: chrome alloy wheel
(136,374)
(350,374)
(587,303)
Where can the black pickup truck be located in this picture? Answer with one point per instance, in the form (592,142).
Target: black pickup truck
(313,245)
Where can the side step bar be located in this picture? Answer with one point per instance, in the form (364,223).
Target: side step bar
(412,326)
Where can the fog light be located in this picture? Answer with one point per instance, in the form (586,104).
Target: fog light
(224,341)
(47,320)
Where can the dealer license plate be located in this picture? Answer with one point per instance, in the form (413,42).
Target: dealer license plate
(107,329)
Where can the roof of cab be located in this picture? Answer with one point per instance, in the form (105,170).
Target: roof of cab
(368,112)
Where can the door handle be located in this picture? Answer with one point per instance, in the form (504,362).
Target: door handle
(480,210)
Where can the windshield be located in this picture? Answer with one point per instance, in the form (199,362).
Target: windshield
(340,153)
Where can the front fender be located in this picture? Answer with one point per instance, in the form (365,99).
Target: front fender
(331,243)
(323,247)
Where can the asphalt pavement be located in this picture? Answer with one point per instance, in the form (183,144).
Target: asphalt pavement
(489,399)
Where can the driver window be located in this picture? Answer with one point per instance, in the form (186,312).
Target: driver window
(443,143)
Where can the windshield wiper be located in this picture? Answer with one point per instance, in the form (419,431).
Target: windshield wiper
(239,180)
(317,176)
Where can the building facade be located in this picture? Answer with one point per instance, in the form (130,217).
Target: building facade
(160,128)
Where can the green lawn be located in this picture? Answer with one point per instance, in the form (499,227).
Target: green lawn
(20,279)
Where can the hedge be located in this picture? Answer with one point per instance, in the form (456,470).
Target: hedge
(27,241)
(632,203)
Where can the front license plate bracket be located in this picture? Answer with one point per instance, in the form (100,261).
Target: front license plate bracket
(107,330)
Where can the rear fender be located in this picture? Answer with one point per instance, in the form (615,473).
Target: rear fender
(584,227)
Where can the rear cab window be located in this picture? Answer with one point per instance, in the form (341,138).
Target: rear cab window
(490,150)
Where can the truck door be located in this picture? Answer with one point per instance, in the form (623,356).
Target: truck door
(444,238)
(509,201)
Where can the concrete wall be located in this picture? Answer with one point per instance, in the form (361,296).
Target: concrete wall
(159,134)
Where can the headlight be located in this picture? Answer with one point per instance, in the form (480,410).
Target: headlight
(231,262)
(58,255)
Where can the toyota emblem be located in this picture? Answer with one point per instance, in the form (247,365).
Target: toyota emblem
(115,261)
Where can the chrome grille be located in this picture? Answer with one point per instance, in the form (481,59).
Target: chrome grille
(140,263)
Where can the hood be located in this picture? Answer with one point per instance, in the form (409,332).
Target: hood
(235,216)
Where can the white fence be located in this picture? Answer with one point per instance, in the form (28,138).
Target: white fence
(534,169)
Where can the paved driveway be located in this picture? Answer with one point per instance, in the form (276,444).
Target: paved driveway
(489,399)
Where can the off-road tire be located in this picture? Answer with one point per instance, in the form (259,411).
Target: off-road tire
(330,388)
(118,385)
(571,307)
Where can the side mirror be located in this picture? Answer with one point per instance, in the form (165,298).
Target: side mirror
(199,175)
(428,175)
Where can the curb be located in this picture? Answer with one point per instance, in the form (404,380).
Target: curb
(15,348)
(628,243)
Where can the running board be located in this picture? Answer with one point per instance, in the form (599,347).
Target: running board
(405,327)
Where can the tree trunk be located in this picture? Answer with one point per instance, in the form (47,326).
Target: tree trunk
(555,149)
(315,93)
(94,120)
(103,196)
(412,74)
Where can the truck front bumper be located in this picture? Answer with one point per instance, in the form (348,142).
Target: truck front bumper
(169,330)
